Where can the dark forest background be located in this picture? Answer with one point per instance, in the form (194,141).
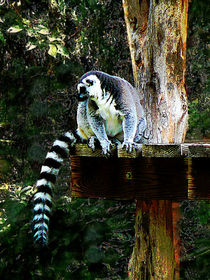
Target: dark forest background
(45,46)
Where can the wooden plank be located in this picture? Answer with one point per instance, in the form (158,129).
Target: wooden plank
(168,172)
(84,150)
(163,151)
(149,150)
(195,150)
(176,216)
(125,178)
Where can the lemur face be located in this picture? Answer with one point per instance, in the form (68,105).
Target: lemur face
(89,86)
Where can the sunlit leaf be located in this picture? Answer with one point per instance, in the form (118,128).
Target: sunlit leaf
(14,29)
(30,46)
(52,50)
(62,50)
(30,32)
(53,3)
(26,189)
(4,186)
(43,31)
(26,21)
(52,39)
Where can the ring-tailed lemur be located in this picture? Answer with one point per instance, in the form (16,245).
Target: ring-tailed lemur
(109,110)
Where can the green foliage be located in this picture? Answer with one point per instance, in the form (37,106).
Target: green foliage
(199,121)
(197,70)
(204,213)
(44,48)
(36,31)
(195,236)
(89,239)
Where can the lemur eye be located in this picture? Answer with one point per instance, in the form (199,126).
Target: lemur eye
(90,82)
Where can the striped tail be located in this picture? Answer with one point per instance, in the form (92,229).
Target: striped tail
(48,175)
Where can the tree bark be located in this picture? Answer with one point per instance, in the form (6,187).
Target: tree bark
(153,254)
(157,31)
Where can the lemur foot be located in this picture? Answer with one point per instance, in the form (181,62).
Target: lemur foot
(106,147)
(129,146)
(91,142)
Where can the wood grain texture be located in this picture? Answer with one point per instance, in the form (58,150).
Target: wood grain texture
(148,150)
(157,172)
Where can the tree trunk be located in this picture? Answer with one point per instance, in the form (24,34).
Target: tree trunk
(153,254)
(157,31)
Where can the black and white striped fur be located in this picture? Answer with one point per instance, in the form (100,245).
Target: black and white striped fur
(43,196)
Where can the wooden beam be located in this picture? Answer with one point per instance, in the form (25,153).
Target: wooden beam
(164,172)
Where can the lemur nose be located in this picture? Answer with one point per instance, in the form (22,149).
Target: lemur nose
(81,88)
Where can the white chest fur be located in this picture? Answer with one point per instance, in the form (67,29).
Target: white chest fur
(112,117)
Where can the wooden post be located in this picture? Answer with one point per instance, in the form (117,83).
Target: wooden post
(176,215)
(153,252)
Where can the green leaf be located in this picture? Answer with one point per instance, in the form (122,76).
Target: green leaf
(26,21)
(2,39)
(43,30)
(62,50)
(30,46)
(52,50)
(14,29)
(52,39)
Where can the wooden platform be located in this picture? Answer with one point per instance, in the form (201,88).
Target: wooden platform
(163,172)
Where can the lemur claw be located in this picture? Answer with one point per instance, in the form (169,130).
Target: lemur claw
(91,142)
(106,148)
(129,146)
(106,145)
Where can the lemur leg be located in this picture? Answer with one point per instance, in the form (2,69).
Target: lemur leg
(129,129)
(83,127)
(140,130)
(91,142)
(100,132)
(97,126)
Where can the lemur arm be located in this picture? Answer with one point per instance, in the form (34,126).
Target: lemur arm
(97,125)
